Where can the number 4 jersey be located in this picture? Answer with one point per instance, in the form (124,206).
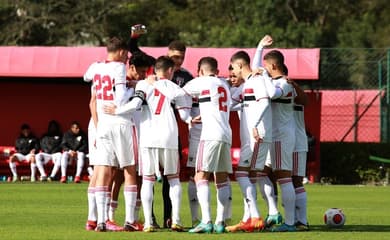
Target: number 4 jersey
(214,104)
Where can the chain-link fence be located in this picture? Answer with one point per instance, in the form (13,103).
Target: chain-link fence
(355,100)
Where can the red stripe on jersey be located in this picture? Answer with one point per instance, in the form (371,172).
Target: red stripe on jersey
(262,98)
(254,155)
(195,99)
(248,90)
(205,92)
(289,94)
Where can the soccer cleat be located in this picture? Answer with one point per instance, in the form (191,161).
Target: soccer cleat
(202,228)
(195,222)
(43,179)
(90,225)
(284,228)
(133,227)
(155,225)
(101,227)
(237,227)
(113,227)
(271,220)
(219,227)
(77,179)
(14,178)
(32,179)
(149,229)
(301,227)
(63,179)
(177,227)
(253,224)
(49,179)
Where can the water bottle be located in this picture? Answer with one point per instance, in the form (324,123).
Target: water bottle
(70,179)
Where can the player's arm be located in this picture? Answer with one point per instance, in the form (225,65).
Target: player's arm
(132,106)
(262,106)
(236,103)
(136,31)
(273,91)
(265,41)
(92,108)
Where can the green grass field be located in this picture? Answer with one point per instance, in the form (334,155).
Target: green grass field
(58,211)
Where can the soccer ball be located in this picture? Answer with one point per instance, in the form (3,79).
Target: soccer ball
(334,217)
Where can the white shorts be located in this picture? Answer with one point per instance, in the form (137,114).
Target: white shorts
(256,157)
(192,150)
(154,158)
(214,156)
(92,144)
(281,155)
(116,146)
(22,157)
(46,157)
(299,164)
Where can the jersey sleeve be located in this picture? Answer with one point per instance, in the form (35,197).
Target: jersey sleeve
(120,85)
(89,74)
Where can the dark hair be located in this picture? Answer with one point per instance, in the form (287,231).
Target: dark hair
(277,57)
(140,59)
(25,126)
(242,55)
(53,128)
(115,44)
(177,45)
(285,69)
(75,123)
(210,62)
(163,63)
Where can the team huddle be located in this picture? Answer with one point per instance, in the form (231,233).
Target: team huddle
(133,139)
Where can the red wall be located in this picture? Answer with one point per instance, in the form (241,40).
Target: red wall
(36,102)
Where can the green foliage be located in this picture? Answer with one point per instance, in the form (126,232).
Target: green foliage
(217,23)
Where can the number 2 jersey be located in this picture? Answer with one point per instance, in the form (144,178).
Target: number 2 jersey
(214,103)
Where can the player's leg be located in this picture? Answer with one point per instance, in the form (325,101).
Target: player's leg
(281,156)
(79,166)
(40,159)
(115,189)
(12,164)
(56,158)
(64,165)
(33,166)
(167,203)
(299,171)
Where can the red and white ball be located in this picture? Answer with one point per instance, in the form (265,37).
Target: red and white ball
(334,217)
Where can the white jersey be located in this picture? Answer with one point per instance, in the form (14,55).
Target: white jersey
(214,103)
(109,84)
(256,111)
(282,111)
(195,130)
(300,129)
(158,126)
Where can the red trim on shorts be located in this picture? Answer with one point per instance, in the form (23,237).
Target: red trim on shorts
(284,180)
(241,174)
(261,174)
(135,145)
(221,185)
(254,155)
(278,155)
(199,159)
(295,163)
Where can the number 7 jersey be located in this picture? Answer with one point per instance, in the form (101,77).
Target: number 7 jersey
(214,104)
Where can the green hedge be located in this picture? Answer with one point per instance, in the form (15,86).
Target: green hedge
(348,163)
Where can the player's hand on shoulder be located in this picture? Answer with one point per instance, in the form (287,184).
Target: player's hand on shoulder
(109,109)
(258,71)
(151,79)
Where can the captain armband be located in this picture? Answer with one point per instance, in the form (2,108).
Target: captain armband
(140,94)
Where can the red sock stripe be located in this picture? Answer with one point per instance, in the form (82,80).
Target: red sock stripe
(261,174)
(253,180)
(150,179)
(221,185)
(202,183)
(131,188)
(284,180)
(101,189)
(300,190)
(91,190)
(241,174)
(172,176)
(114,204)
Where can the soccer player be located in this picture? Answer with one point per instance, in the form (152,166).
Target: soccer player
(283,134)
(26,146)
(74,145)
(299,159)
(158,120)
(115,141)
(213,155)
(51,150)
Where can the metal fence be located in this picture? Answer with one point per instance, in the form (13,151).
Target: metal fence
(355,103)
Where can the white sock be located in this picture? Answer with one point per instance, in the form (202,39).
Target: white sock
(130,194)
(12,166)
(33,168)
(40,167)
(203,193)
(101,204)
(55,169)
(247,213)
(91,204)
(108,201)
(193,199)
(222,201)
(137,207)
(80,165)
(301,205)
(111,211)
(64,164)
(288,199)
(248,192)
(228,208)
(147,199)
(267,191)
(175,194)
